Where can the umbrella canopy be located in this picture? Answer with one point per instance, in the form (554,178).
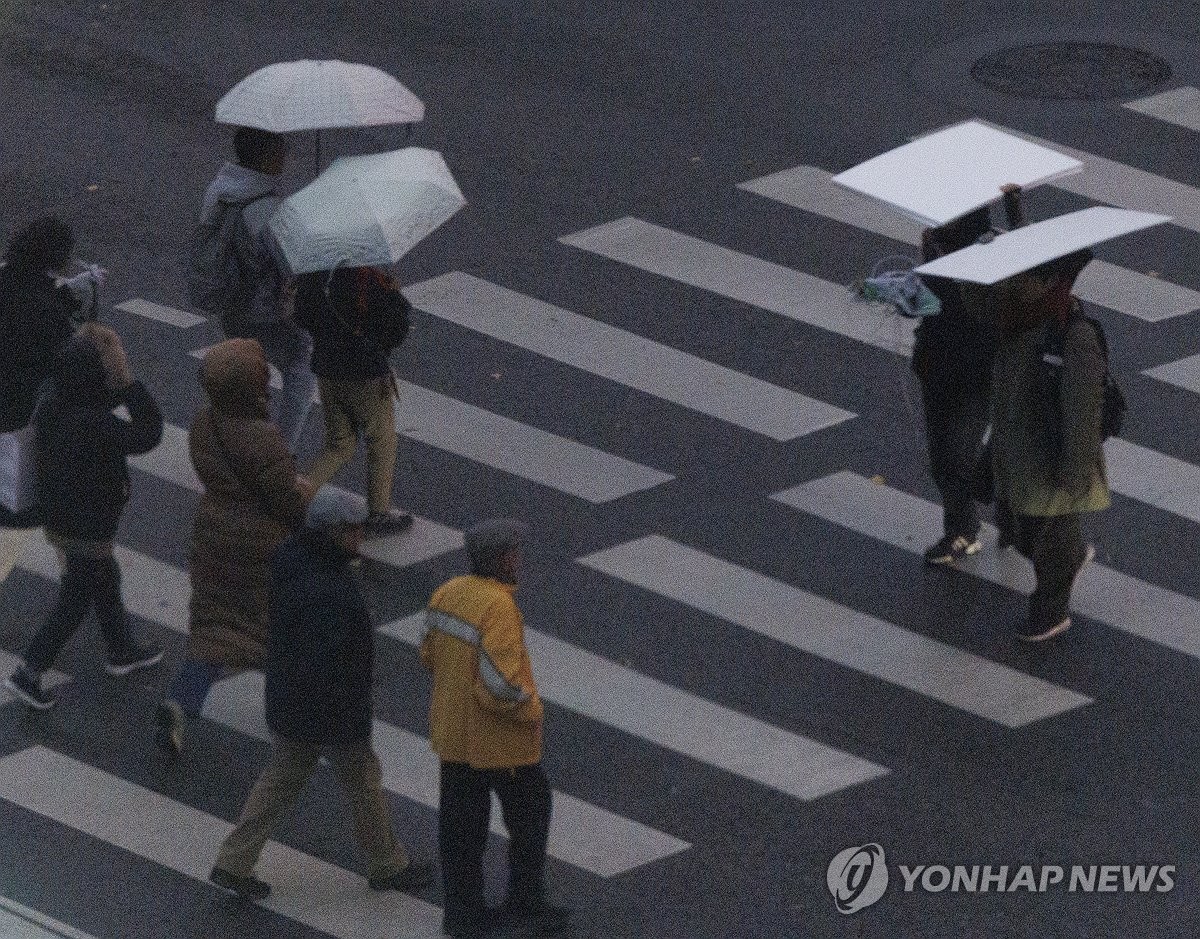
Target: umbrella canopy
(366,210)
(316,95)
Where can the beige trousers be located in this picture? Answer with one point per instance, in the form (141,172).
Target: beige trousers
(292,765)
(351,409)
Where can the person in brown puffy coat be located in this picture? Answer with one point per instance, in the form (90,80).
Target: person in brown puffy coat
(253,499)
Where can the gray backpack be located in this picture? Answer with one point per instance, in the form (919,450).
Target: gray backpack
(218,284)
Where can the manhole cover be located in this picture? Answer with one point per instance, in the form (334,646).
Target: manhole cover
(1079,71)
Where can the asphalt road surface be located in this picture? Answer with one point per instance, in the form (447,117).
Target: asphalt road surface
(747,667)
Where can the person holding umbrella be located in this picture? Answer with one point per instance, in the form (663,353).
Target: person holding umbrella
(357,316)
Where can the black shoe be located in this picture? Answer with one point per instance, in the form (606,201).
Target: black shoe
(28,687)
(134,657)
(539,919)
(411,878)
(952,548)
(169,736)
(389,522)
(248,888)
(1042,633)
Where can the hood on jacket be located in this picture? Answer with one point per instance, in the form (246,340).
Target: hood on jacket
(79,373)
(236,183)
(234,374)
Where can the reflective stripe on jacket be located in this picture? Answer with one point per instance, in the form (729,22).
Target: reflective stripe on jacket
(485,710)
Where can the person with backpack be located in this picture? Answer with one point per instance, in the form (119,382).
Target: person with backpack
(1049,418)
(253,499)
(952,359)
(236,277)
(83,486)
(357,316)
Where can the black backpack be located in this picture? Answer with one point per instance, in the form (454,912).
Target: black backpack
(1114,405)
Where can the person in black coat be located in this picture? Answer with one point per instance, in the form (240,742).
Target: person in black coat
(320,656)
(83,485)
(357,316)
(952,359)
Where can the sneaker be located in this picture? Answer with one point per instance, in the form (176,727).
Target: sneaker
(133,658)
(28,687)
(952,548)
(1041,635)
(383,523)
(169,736)
(411,878)
(248,887)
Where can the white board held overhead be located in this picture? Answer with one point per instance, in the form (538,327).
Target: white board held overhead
(944,175)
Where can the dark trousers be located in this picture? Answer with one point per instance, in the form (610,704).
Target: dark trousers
(956,418)
(463,821)
(87,582)
(1055,546)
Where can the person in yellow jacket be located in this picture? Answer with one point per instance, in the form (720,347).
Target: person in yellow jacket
(486,727)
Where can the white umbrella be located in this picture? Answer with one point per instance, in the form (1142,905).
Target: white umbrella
(318,95)
(366,210)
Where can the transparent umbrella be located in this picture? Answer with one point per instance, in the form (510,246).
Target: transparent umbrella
(366,210)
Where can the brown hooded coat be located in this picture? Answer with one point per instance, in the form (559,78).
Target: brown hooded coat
(252,499)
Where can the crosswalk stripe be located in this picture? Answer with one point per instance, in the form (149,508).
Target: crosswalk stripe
(624,357)
(421,542)
(519,449)
(1179,106)
(699,729)
(176,836)
(18,921)
(910,523)
(1154,478)
(584,835)
(1183,373)
(745,278)
(8,665)
(1125,187)
(1117,288)
(160,313)
(515,448)
(834,632)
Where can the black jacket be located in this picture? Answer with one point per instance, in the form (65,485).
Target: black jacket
(320,645)
(351,342)
(35,321)
(83,480)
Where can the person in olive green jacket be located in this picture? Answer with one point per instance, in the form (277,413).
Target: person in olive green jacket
(1047,450)
(485,720)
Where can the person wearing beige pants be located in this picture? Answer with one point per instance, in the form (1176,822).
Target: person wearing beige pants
(357,316)
(292,765)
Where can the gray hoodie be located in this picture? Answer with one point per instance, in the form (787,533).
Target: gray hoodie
(236,183)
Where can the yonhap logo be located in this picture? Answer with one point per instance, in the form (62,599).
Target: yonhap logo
(857,877)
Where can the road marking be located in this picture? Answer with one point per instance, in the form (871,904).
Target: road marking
(1117,288)
(424,540)
(1183,373)
(623,357)
(677,720)
(12,543)
(745,278)
(1180,106)
(834,632)
(160,313)
(515,448)
(8,665)
(18,921)
(177,836)
(1157,479)
(1125,187)
(911,523)
(518,449)
(583,835)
